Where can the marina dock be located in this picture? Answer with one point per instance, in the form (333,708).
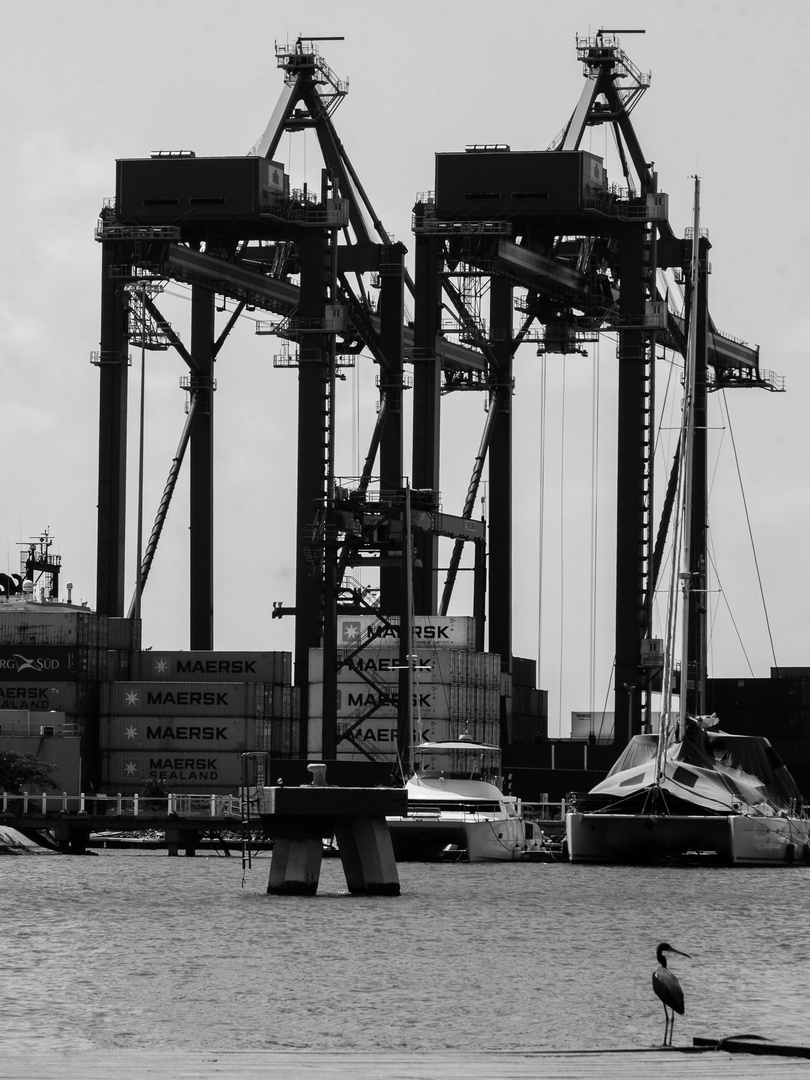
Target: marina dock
(687,1062)
(74,819)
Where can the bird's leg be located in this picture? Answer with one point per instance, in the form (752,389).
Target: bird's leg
(671,1026)
(666,1024)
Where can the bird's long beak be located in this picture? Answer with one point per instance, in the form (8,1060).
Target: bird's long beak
(679,953)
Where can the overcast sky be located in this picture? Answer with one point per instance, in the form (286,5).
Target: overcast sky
(88,82)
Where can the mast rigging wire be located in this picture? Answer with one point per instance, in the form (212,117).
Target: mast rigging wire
(541,517)
(750,530)
(594,527)
(562,545)
(730,614)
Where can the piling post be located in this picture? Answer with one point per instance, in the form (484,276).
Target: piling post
(177,838)
(367,855)
(295,866)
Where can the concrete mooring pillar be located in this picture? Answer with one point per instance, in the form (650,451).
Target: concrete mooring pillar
(300,818)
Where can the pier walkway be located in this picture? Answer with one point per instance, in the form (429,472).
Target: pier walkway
(73,819)
(664,1064)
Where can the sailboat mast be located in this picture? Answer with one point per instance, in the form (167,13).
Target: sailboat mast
(690,376)
(406,659)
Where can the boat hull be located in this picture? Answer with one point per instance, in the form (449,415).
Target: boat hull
(468,838)
(734,840)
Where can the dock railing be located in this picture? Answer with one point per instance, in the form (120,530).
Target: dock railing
(197,806)
(545,811)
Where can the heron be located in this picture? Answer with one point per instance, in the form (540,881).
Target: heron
(668,989)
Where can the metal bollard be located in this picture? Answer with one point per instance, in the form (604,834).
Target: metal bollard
(318,771)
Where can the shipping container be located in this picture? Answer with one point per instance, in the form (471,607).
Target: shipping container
(195,772)
(277,704)
(452,665)
(524,672)
(492,707)
(283,701)
(181,699)
(281,738)
(274,668)
(380,733)
(124,634)
(379,740)
(117,666)
(449,631)
(432,664)
(459,701)
(539,703)
(430,699)
(521,698)
(434,700)
(492,671)
(379,737)
(67,697)
(184,735)
(767,694)
(48,663)
(54,624)
(526,729)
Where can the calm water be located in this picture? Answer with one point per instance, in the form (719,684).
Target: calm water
(144,951)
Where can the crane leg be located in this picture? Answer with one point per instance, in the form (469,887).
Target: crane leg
(666,1025)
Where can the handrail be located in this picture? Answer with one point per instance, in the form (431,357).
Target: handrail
(545,811)
(417,807)
(172,805)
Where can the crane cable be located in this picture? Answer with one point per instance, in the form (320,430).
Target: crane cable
(750,530)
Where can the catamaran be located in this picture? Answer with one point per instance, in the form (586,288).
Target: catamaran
(691,789)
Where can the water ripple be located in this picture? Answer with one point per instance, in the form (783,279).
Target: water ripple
(146,951)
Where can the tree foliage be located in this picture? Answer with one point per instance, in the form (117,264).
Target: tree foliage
(24,772)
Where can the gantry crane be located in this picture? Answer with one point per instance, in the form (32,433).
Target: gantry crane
(587,255)
(234,227)
(583,253)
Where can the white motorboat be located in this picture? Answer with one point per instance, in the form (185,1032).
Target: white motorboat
(457,810)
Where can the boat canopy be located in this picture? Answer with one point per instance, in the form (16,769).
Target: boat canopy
(747,763)
(430,786)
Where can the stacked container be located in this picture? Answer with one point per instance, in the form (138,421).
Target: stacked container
(52,657)
(189,718)
(455,690)
(528,721)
